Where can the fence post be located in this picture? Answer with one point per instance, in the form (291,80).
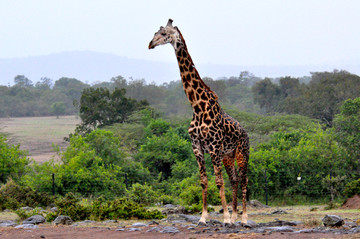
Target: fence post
(266,189)
(53,184)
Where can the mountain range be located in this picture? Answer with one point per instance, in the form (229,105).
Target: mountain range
(91,67)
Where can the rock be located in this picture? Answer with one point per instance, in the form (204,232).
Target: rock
(54,209)
(120,229)
(332,221)
(26,208)
(249,224)
(7,223)
(27,226)
(153,223)
(110,221)
(133,229)
(87,221)
(154,229)
(278,223)
(64,220)
(174,210)
(257,204)
(181,218)
(279,229)
(36,219)
(355,230)
(190,218)
(7,210)
(279,211)
(169,206)
(170,230)
(214,222)
(139,224)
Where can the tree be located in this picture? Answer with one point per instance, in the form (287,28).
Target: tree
(58,108)
(99,107)
(22,81)
(267,95)
(347,126)
(13,161)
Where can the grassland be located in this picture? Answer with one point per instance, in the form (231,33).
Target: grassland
(37,135)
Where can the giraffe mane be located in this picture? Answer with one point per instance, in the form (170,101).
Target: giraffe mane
(196,72)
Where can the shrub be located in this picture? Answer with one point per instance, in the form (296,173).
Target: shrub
(352,188)
(23,214)
(13,196)
(100,209)
(13,161)
(143,194)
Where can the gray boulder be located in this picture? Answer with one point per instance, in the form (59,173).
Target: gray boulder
(333,221)
(54,209)
(257,204)
(26,208)
(7,223)
(170,230)
(139,224)
(171,209)
(64,220)
(36,219)
(27,226)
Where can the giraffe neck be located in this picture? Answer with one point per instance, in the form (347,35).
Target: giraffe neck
(195,88)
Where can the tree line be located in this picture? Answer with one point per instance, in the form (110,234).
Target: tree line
(133,140)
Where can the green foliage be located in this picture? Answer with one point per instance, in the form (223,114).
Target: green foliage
(100,209)
(91,165)
(100,107)
(320,99)
(311,155)
(143,194)
(24,214)
(190,192)
(13,161)
(58,108)
(13,196)
(352,188)
(160,153)
(347,127)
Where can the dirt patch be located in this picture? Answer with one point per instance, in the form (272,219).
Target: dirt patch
(352,203)
(48,231)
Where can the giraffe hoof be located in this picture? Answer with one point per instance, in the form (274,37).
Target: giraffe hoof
(201,224)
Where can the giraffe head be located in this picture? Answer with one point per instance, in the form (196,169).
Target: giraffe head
(167,34)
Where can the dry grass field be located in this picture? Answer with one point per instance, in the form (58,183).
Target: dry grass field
(37,135)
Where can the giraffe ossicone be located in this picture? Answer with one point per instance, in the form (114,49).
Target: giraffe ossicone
(211,130)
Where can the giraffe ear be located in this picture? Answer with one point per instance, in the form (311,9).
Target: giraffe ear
(169,24)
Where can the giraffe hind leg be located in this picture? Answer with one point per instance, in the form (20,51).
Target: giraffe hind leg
(242,160)
(234,180)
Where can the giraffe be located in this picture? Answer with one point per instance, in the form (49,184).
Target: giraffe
(211,130)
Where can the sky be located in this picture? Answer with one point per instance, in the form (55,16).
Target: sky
(236,32)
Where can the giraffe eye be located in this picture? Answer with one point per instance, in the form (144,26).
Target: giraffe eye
(163,34)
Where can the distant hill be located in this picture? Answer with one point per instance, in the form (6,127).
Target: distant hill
(93,67)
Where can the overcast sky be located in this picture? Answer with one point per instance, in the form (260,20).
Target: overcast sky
(268,32)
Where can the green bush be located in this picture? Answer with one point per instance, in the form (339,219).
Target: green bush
(13,196)
(143,194)
(13,161)
(190,192)
(100,209)
(352,188)
(23,214)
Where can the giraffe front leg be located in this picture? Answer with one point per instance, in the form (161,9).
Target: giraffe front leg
(204,182)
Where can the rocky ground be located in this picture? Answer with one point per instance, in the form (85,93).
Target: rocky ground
(177,224)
